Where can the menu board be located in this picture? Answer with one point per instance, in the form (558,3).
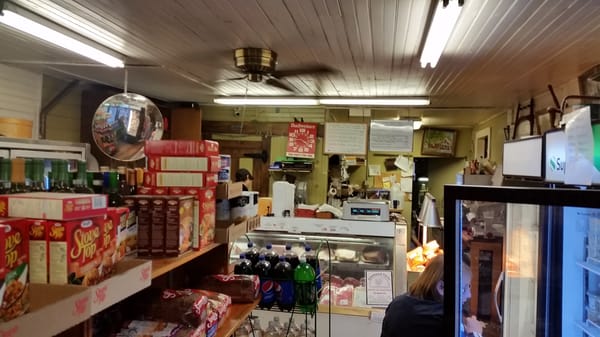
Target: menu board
(345,138)
(391,136)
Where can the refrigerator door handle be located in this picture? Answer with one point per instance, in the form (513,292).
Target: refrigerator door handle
(496,291)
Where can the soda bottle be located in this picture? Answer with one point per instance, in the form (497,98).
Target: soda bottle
(271,331)
(311,259)
(243,267)
(291,257)
(252,253)
(277,321)
(270,254)
(306,291)
(267,288)
(284,275)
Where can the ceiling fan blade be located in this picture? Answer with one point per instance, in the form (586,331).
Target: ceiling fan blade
(232,79)
(308,70)
(279,84)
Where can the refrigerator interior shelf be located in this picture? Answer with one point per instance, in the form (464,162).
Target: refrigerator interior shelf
(590,328)
(590,266)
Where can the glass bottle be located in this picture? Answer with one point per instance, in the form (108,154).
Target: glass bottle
(37,178)
(28,174)
(5,169)
(54,176)
(131,182)
(122,181)
(115,199)
(80,182)
(17,176)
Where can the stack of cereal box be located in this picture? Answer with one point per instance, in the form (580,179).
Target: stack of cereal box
(176,207)
(56,238)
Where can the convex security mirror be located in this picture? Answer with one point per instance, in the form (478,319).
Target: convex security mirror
(123,122)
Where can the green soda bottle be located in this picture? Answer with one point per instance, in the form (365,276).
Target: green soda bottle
(306,287)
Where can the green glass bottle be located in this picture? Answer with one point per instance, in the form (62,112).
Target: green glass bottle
(54,176)
(28,174)
(5,169)
(80,183)
(115,199)
(37,179)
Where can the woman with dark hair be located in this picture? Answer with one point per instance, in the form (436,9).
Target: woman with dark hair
(420,312)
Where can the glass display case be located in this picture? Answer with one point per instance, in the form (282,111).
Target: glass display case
(534,260)
(345,249)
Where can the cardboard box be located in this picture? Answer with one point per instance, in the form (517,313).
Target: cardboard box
(38,251)
(174,179)
(252,223)
(179,224)
(184,164)
(14,265)
(130,277)
(119,217)
(53,310)
(143,208)
(184,148)
(229,233)
(75,251)
(229,190)
(131,231)
(158,226)
(56,206)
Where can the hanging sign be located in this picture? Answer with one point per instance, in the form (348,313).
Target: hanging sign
(302,140)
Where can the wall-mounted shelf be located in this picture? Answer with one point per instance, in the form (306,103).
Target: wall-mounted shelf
(291,170)
(163,266)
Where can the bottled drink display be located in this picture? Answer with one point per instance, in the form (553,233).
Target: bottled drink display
(37,178)
(305,291)
(5,169)
(270,254)
(252,253)
(283,273)
(267,289)
(243,267)
(291,257)
(80,182)
(17,176)
(115,199)
(271,331)
(313,261)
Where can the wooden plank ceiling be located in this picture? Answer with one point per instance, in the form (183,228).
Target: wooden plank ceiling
(501,51)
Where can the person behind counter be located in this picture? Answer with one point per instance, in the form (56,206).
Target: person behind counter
(245,177)
(420,312)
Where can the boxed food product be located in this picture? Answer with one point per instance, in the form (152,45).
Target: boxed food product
(244,207)
(158,226)
(131,231)
(181,147)
(119,217)
(204,215)
(14,263)
(144,224)
(229,190)
(75,251)
(56,206)
(184,164)
(175,179)
(179,216)
(241,288)
(38,251)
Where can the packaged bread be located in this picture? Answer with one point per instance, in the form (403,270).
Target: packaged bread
(241,288)
(185,306)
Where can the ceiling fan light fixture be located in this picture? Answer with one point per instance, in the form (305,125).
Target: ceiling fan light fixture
(14,19)
(278,101)
(443,22)
(376,101)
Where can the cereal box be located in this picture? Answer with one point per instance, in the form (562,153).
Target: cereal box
(144,225)
(56,206)
(131,231)
(75,251)
(14,271)
(119,217)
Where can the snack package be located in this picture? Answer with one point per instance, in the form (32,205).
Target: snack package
(241,288)
(181,306)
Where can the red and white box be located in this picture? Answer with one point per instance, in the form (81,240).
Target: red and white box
(14,255)
(75,251)
(184,164)
(203,230)
(186,148)
(56,206)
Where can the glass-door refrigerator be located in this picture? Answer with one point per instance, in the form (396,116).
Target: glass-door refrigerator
(529,256)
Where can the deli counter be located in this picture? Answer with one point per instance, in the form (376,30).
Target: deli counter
(347,250)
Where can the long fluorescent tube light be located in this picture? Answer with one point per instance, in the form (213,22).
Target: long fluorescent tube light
(266,101)
(31,27)
(442,25)
(377,101)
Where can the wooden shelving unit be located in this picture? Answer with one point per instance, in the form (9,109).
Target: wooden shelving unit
(236,315)
(163,266)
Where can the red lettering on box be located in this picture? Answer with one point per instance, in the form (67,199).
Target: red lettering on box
(80,306)
(100,294)
(145,274)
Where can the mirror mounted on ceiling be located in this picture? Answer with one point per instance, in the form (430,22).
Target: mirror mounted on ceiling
(122,124)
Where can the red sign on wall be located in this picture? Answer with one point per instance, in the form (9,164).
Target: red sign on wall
(302,140)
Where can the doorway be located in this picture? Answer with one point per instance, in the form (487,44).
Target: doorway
(253,156)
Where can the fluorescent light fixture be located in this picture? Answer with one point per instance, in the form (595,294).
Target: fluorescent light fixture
(266,101)
(442,25)
(17,21)
(375,101)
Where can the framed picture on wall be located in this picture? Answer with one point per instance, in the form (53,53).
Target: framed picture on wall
(438,142)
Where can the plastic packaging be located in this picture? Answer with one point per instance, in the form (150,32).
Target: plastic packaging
(291,257)
(267,289)
(283,273)
(305,291)
(244,266)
